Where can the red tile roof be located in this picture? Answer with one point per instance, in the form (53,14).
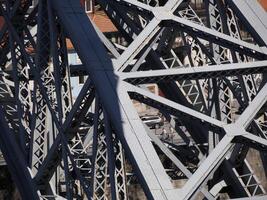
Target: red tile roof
(263,3)
(102,22)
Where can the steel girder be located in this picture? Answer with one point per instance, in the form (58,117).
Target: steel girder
(91,148)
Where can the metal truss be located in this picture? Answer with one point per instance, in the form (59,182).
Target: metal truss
(213,94)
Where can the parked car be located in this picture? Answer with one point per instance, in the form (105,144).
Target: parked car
(153,121)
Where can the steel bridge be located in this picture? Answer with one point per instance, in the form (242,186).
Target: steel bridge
(97,147)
